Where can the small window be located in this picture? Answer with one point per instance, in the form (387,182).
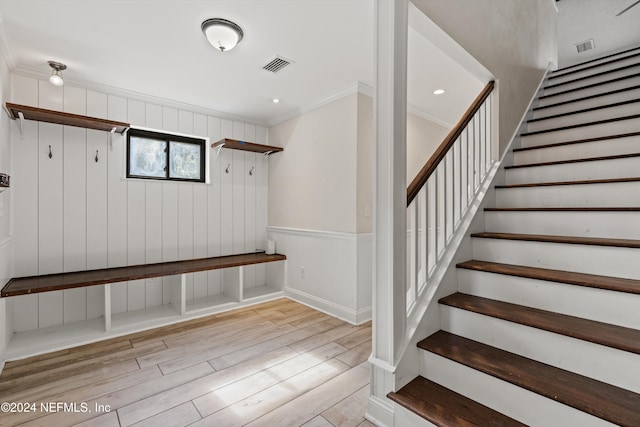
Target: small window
(157,155)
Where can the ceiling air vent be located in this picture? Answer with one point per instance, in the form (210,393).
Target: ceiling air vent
(277,64)
(586,45)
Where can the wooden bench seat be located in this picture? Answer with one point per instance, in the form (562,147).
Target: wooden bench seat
(77,279)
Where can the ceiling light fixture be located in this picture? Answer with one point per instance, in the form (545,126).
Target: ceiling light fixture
(221,33)
(276,100)
(438,91)
(56,77)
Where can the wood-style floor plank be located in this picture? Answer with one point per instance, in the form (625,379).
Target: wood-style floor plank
(167,399)
(304,408)
(239,390)
(248,409)
(347,412)
(268,356)
(179,416)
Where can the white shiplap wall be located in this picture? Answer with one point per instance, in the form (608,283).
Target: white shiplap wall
(72,213)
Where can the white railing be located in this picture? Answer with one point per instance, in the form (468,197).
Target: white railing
(440,196)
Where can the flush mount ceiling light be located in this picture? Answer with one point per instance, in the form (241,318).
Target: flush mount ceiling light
(438,91)
(221,33)
(56,77)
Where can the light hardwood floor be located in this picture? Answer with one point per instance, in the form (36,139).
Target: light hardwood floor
(276,364)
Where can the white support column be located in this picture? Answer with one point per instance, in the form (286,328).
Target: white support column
(389,275)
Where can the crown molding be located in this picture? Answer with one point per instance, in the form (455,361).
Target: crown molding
(417,111)
(358,87)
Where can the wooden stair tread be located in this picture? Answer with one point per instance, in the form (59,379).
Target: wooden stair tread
(560,71)
(585,160)
(598,122)
(599,399)
(581,182)
(617,79)
(577,141)
(444,407)
(613,336)
(602,73)
(575,240)
(584,98)
(586,110)
(609,283)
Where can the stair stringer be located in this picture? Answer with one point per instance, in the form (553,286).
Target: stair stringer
(444,280)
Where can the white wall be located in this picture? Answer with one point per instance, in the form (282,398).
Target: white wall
(514,40)
(72,213)
(423,137)
(312,182)
(6,241)
(319,189)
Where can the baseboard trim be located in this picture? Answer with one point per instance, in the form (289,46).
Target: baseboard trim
(379,412)
(343,313)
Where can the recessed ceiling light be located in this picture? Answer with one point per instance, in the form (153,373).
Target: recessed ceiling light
(438,91)
(276,100)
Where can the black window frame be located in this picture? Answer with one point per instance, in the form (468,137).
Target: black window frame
(167,138)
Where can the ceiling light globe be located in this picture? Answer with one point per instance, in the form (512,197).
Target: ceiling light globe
(222,34)
(56,79)
(438,91)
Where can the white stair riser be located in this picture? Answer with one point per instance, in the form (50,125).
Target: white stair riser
(578,105)
(630,60)
(600,169)
(614,225)
(586,117)
(582,132)
(608,147)
(591,259)
(618,308)
(596,90)
(515,402)
(557,88)
(574,355)
(597,62)
(404,417)
(619,194)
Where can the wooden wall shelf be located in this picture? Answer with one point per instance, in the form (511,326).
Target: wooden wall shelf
(62,118)
(234,144)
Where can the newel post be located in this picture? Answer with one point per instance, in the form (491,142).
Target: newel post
(389,263)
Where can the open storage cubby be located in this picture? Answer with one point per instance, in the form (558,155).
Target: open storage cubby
(233,295)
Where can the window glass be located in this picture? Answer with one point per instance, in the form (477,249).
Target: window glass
(184,161)
(147,157)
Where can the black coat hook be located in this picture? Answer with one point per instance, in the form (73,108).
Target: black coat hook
(251,171)
(227,169)
(50,153)
(96,159)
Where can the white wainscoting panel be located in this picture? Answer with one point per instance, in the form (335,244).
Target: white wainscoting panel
(330,271)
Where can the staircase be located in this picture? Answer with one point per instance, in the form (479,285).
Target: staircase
(545,327)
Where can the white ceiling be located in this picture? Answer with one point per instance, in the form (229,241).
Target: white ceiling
(581,20)
(156,48)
